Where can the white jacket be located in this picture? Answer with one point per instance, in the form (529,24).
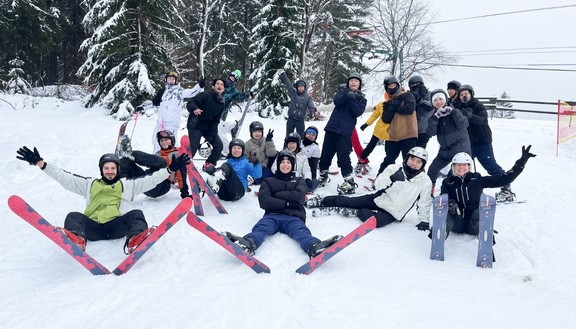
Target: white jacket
(302,166)
(401,196)
(82,185)
(170,109)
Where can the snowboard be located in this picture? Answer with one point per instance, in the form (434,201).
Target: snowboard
(438,232)
(195,177)
(487,210)
(241,122)
(181,209)
(121,133)
(26,212)
(356,234)
(256,265)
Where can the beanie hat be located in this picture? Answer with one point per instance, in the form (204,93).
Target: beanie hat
(356,76)
(438,93)
(454,85)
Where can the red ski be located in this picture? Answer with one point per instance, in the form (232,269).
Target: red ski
(317,261)
(26,212)
(181,209)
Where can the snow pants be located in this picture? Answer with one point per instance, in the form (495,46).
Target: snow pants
(211,137)
(339,145)
(468,224)
(485,155)
(365,205)
(393,150)
(292,226)
(231,189)
(292,124)
(129,224)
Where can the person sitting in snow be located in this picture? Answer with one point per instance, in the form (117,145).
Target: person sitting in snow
(106,215)
(230,180)
(263,149)
(464,188)
(398,188)
(292,144)
(131,166)
(281,197)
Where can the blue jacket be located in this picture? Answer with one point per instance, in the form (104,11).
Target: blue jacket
(242,167)
(346,110)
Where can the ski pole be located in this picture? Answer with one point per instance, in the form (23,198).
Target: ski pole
(135,122)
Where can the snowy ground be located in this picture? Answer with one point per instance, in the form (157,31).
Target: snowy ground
(385,280)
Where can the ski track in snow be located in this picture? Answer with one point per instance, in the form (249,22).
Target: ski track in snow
(385,280)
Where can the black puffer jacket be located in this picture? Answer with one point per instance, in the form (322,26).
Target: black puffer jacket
(478,129)
(275,193)
(467,190)
(212,106)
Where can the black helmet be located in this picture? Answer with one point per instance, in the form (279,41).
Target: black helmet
(236,142)
(109,157)
(466,87)
(166,134)
(390,79)
(454,85)
(285,154)
(357,76)
(415,79)
(292,137)
(173,74)
(256,125)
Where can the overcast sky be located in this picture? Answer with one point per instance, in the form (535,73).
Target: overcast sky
(545,28)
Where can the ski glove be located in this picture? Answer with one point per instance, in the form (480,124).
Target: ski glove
(453,208)
(525,156)
(178,163)
(184,193)
(423,226)
(32,157)
(443,112)
(139,109)
(270,135)
(253,159)
(397,176)
(364,126)
(351,95)
(201,82)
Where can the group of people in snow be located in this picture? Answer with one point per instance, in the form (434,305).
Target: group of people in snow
(406,120)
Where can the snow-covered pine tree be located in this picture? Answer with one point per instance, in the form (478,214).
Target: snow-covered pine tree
(333,54)
(274,47)
(505,114)
(125,58)
(17,83)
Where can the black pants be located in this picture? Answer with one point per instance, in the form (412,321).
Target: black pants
(339,145)
(365,205)
(231,188)
(369,148)
(393,150)
(129,224)
(292,124)
(211,137)
(422,140)
(467,224)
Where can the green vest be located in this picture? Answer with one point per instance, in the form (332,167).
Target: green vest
(105,200)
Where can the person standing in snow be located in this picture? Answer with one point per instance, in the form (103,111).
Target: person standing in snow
(349,103)
(205,111)
(281,197)
(423,108)
(464,188)
(231,94)
(400,113)
(452,90)
(398,189)
(380,133)
(106,216)
(481,137)
(131,166)
(169,101)
(451,128)
(230,180)
(300,104)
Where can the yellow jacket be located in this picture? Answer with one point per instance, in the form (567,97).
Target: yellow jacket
(381,129)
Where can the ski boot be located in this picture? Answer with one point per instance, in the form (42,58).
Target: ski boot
(313,202)
(326,211)
(74,237)
(323,179)
(215,180)
(134,241)
(359,167)
(505,195)
(319,247)
(348,186)
(247,244)
(125,149)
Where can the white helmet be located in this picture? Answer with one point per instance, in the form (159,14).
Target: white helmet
(462,157)
(419,152)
